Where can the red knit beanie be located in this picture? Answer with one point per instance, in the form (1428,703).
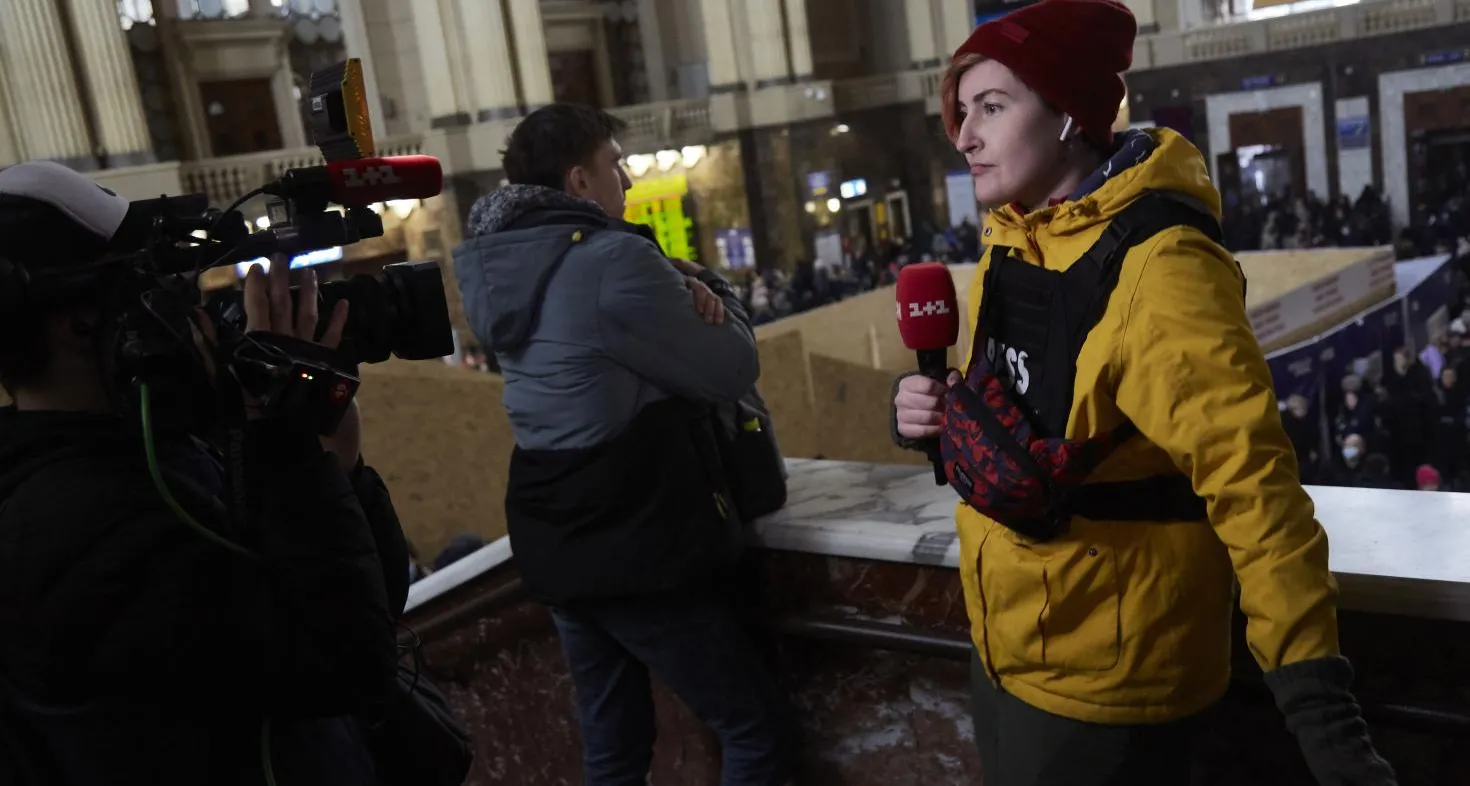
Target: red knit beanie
(1070,52)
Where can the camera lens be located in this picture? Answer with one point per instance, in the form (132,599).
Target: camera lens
(401,311)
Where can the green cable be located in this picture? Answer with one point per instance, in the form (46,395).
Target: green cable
(145,403)
(265,752)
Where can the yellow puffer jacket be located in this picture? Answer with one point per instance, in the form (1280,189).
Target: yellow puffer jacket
(1130,622)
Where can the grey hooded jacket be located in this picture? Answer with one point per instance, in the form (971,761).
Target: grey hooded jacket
(586,344)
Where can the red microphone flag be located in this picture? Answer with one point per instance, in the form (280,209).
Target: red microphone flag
(928,310)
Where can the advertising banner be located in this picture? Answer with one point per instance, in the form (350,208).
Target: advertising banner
(1426,306)
(1297,371)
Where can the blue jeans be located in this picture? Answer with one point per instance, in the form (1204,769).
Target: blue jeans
(697,646)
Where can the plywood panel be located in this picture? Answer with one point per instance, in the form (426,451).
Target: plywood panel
(786,385)
(441,440)
(862,330)
(853,405)
(1271,274)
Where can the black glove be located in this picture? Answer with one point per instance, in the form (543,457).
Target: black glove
(1328,724)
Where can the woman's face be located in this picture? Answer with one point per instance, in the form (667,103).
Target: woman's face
(1009,137)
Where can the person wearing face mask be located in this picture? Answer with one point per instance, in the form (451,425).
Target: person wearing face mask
(1102,623)
(1352,470)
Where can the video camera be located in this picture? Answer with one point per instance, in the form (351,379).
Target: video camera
(150,273)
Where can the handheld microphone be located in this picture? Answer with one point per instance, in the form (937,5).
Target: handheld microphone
(363,181)
(929,322)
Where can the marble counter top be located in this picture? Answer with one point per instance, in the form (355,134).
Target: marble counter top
(1402,552)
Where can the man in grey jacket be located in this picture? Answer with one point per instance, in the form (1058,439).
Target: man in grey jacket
(618,510)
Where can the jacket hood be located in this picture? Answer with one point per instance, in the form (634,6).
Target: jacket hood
(518,234)
(502,208)
(1154,159)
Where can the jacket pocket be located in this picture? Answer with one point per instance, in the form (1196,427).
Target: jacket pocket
(1053,605)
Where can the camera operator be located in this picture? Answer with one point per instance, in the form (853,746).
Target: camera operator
(135,650)
(616,504)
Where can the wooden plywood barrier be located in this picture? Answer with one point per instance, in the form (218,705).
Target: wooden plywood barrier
(441,440)
(853,405)
(786,385)
(863,330)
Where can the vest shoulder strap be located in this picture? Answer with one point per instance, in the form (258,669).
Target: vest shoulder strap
(1090,282)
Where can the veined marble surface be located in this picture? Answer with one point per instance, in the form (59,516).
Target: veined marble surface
(888,512)
(1404,552)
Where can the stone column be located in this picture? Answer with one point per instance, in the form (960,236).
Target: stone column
(106,67)
(717,20)
(9,143)
(923,53)
(438,47)
(650,31)
(183,87)
(355,35)
(482,34)
(799,38)
(956,20)
(768,59)
(532,62)
(46,105)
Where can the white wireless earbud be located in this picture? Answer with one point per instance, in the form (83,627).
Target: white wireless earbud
(1066,128)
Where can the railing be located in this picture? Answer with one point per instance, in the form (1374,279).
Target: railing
(867,92)
(1309,28)
(228,178)
(667,123)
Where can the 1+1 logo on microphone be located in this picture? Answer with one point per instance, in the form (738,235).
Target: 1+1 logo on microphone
(381,175)
(933,308)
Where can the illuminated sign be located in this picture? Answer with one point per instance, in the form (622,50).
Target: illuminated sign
(658,203)
(853,189)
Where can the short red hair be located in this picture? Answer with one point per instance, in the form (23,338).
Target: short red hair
(949,91)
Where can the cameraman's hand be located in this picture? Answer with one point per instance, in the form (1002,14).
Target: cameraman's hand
(268,309)
(268,305)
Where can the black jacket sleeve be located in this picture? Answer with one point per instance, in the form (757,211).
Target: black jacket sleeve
(316,597)
(300,629)
(382,519)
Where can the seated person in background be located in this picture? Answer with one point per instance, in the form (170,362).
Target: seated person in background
(460,546)
(616,504)
(135,650)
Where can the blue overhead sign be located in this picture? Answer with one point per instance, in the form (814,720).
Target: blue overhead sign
(1354,133)
(1442,57)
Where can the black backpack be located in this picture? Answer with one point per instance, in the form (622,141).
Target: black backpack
(751,456)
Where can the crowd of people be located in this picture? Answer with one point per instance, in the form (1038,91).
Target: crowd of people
(1287,223)
(772,293)
(1406,428)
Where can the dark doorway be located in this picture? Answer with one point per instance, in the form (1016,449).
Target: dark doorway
(1438,125)
(1439,167)
(1275,136)
(240,115)
(574,77)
